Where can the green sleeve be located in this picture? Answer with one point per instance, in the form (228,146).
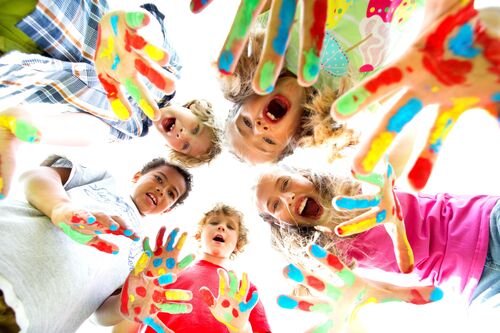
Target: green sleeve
(11,38)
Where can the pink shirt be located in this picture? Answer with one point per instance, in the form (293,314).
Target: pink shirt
(448,233)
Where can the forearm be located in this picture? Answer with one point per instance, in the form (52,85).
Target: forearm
(108,313)
(44,189)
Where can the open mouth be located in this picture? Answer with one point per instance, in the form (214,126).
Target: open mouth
(219,238)
(169,124)
(309,208)
(153,199)
(276,109)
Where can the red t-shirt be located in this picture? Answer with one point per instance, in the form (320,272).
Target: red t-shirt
(200,320)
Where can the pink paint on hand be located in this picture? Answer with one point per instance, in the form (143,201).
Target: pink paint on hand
(366,68)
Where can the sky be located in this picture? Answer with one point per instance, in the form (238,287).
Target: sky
(469,163)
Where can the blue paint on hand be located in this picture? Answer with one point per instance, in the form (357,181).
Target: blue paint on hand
(170,263)
(404,115)
(113,227)
(244,307)
(381,216)
(128,232)
(165,279)
(114,24)
(353,203)
(462,44)
(173,234)
(91,219)
(226,59)
(318,252)
(287,302)
(286,15)
(151,323)
(116,61)
(295,274)
(436,294)
(157,262)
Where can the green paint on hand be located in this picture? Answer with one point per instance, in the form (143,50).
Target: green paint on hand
(324,328)
(323,308)
(227,317)
(347,276)
(267,76)
(173,308)
(133,90)
(333,292)
(373,178)
(233,284)
(350,102)
(242,22)
(186,261)
(75,235)
(26,132)
(311,66)
(135,19)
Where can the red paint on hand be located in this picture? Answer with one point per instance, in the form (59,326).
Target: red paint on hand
(103,247)
(137,310)
(389,76)
(134,41)
(235,313)
(141,291)
(305,306)
(111,89)
(315,283)
(420,173)
(417,298)
(318,27)
(124,299)
(207,297)
(334,262)
(152,75)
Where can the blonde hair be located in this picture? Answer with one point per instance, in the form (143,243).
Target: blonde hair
(317,127)
(226,210)
(202,109)
(292,241)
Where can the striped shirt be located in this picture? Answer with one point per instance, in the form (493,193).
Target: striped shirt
(66,30)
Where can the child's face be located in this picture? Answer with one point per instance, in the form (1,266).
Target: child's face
(157,191)
(265,125)
(183,131)
(290,198)
(219,235)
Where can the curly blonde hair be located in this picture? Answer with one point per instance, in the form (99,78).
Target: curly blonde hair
(226,210)
(202,109)
(317,127)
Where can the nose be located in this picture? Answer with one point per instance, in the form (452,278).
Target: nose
(181,132)
(159,191)
(221,228)
(261,126)
(288,197)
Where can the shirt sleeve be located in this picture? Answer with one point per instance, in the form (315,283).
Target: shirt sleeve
(258,318)
(80,174)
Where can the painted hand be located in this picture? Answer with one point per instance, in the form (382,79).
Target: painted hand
(384,209)
(278,32)
(341,303)
(122,53)
(165,257)
(454,64)
(85,227)
(231,307)
(10,129)
(145,292)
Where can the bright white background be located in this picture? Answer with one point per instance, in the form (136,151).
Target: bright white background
(469,163)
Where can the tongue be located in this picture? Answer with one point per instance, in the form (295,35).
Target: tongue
(311,209)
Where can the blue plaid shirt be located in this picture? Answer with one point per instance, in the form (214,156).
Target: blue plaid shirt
(67,32)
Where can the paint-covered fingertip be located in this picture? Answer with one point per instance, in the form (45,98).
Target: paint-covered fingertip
(286,302)
(318,251)
(166,279)
(436,295)
(136,20)
(409,269)
(339,231)
(115,252)
(113,227)
(128,232)
(2,196)
(91,219)
(420,173)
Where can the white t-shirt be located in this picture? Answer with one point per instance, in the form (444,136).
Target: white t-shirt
(52,282)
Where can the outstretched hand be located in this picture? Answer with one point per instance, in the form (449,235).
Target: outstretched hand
(231,307)
(342,303)
(282,17)
(121,53)
(85,227)
(145,292)
(384,209)
(454,64)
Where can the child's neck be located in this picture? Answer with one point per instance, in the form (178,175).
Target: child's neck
(220,261)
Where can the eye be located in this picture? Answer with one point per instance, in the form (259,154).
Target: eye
(275,205)
(171,194)
(247,122)
(269,141)
(196,130)
(214,222)
(229,226)
(285,184)
(159,180)
(185,146)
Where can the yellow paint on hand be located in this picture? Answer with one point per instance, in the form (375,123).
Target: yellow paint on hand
(162,271)
(120,110)
(8,122)
(154,53)
(131,298)
(177,295)
(148,110)
(354,312)
(108,51)
(377,149)
(360,226)
(141,264)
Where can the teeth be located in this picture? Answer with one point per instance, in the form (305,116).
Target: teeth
(302,206)
(270,115)
(152,198)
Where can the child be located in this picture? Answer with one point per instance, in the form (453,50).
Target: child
(222,235)
(448,233)
(53,283)
(65,33)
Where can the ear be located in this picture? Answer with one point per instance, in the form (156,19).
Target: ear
(197,236)
(136,177)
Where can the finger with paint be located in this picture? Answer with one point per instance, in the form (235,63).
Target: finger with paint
(122,53)
(231,306)
(453,65)
(341,302)
(21,129)
(199,5)
(383,208)
(165,256)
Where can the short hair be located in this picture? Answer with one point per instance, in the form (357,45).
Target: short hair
(226,210)
(188,178)
(202,109)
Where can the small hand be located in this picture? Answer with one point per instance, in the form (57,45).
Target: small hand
(342,303)
(384,209)
(164,258)
(231,308)
(282,17)
(453,64)
(85,227)
(10,129)
(145,291)
(122,53)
